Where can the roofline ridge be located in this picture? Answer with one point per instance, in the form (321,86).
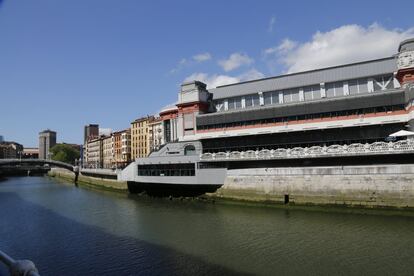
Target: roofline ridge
(305,72)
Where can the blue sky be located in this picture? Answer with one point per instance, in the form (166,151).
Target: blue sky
(64,64)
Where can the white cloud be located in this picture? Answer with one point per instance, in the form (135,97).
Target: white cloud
(252,74)
(284,47)
(180,65)
(184,62)
(234,61)
(272,22)
(202,57)
(218,80)
(346,44)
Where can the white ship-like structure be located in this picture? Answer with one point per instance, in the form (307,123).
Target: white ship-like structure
(174,169)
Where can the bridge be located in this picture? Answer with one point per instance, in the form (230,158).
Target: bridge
(33,164)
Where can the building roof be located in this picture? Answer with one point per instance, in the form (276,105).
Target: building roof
(142,119)
(169,108)
(47,131)
(119,132)
(407,44)
(337,73)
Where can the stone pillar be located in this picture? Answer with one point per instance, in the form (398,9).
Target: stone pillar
(323,92)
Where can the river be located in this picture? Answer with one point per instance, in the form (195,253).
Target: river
(66,230)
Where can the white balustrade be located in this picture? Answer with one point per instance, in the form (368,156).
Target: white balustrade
(314,151)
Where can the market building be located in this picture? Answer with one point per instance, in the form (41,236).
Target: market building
(362,102)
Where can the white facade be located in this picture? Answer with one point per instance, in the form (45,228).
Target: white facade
(126,145)
(94,153)
(156,134)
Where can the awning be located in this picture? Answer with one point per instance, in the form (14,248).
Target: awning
(402,133)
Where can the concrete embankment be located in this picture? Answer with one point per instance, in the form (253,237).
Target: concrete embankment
(94,182)
(359,186)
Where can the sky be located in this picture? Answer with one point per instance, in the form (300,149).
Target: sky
(65,64)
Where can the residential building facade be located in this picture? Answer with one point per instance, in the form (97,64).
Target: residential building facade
(122,148)
(94,155)
(126,146)
(108,151)
(140,137)
(156,134)
(10,150)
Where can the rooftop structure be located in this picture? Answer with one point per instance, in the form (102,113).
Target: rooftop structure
(91,131)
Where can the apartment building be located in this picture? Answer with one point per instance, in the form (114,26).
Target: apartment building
(156,134)
(140,137)
(108,151)
(94,153)
(122,148)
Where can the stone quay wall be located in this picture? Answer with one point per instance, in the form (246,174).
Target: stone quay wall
(95,182)
(359,186)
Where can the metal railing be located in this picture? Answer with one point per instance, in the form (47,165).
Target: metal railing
(403,146)
(18,267)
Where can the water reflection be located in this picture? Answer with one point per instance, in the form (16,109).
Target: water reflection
(188,237)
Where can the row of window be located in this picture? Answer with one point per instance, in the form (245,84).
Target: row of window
(335,89)
(167,170)
(361,111)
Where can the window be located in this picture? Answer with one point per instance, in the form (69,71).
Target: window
(188,121)
(167,170)
(271,98)
(248,101)
(267,98)
(362,86)
(256,100)
(190,150)
(219,105)
(230,104)
(237,103)
(334,89)
(312,92)
(383,83)
(291,95)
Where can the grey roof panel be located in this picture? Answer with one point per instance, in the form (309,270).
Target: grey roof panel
(332,74)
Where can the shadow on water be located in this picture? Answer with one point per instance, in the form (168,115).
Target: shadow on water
(61,246)
(168,190)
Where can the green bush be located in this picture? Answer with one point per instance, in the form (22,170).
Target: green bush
(65,153)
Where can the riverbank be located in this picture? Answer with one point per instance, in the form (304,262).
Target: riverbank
(388,187)
(377,186)
(89,181)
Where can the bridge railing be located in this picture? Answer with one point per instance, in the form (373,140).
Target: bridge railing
(402,146)
(37,162)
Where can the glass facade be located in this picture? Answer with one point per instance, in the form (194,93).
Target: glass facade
(312,92)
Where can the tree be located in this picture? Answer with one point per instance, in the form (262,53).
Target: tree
(65,153)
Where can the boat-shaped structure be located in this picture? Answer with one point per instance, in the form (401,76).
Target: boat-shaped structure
(175,169)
